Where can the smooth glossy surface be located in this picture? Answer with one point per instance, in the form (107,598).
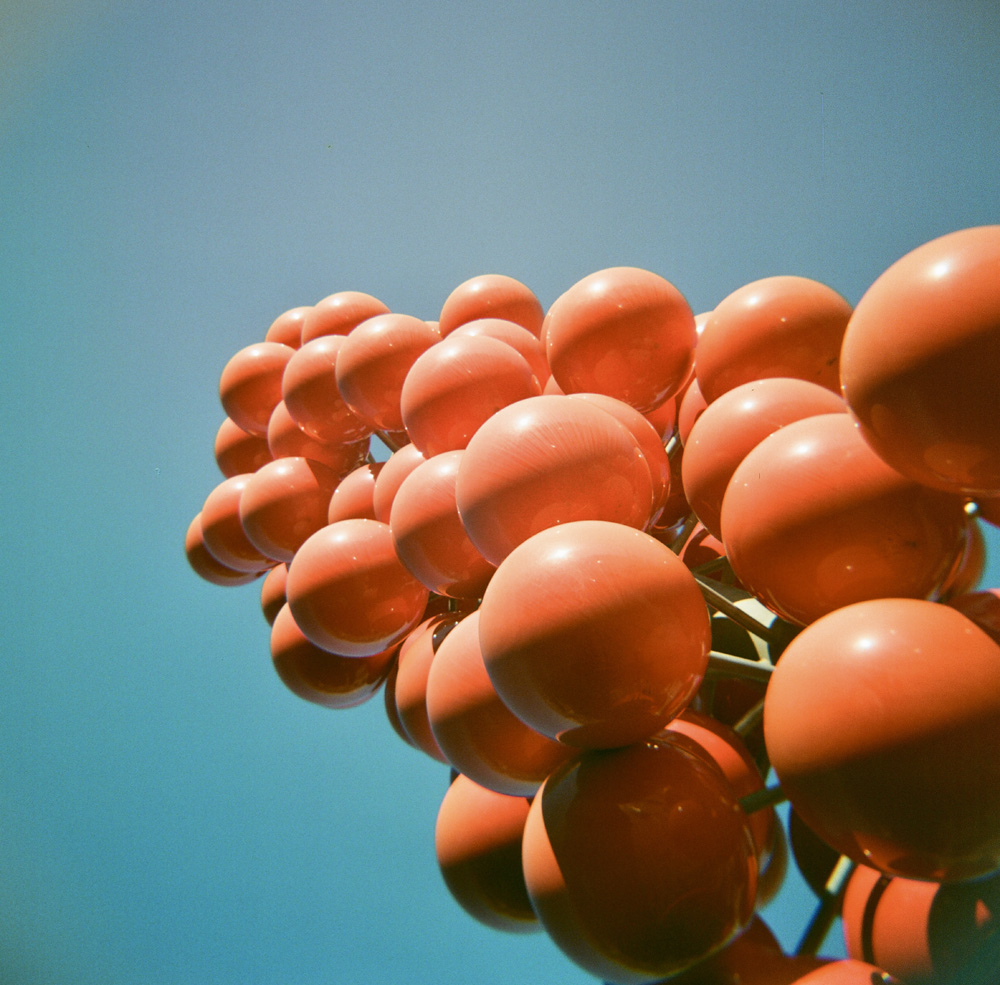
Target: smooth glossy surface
(348,591)
(638,861)
(847,973)
(272,592)
(546,461)
(478,734)
(512,334)
(700,548)
(692,404)
(340,313)
(223,533)
(354,498)
(970,566)
(624,332)
(204,563)
(777,326)
(732,426)
(287,440)
(457,385)
(237,451)
(921,359)
(664,419)
(477,838)
(491,296)
(287,327)
(399,465)
(983,608)
(883,723)
(250,384)
(594,633)
(814,520)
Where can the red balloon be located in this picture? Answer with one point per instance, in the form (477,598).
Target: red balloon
(545,461)
(637,860)
(478,843)
(287,327)
(222,531)
(732,426)
(814,520)
(285,502)
(250,385)
(373,362)
(527,344)
(778,326)
(458,384)
(204,564)
(340,314)
(677,508)
(624,332)
(491,296)
(692,405)
(321,677)
(664,419)
(238,452)
(272,592)
(400,464)
(428,533)
(348,591)
(354,498)
(847,973)
(882,721)
(475,730)
(391,711)
(287,440)
(921,360)
(594,633)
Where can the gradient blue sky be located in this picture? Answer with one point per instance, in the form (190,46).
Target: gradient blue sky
(173,176)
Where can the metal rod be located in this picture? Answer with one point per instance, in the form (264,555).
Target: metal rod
(760,799)
(719,601)
(750,720)
(681,539)
(826,912)
(726,665)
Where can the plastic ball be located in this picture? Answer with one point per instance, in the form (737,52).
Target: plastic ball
(204,563)
(847,972)
(664,419)
(970,566)
(287,440)
(491,296)
(624,332)
(340,314)
(882,721)
(348,591)
(250,385)
(594,633)
(692,404)
(512,334)
(354,498)
(399,465)
(223,533)
(546,461)
(287,327)
(778,326)
(921,360)
(983,608)
(238,452)
(272,592)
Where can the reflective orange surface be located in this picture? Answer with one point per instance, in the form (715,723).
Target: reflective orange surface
(272,592)
(238,451)
(223,533)
(399,465)
(204,563)
(525,342)
(491,296)
(354,498)
(287,440)
(287,327)
(339,313)
(250,384)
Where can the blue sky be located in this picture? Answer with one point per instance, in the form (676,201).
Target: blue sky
(172,177)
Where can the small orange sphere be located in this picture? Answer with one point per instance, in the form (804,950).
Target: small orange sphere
(399,465)
(222,531)
(491,296)
(250,385)
(204,564)
(272,592)
(287,440)
(354,498)
(514,335)
(287,327)
(238,452)
(340,314)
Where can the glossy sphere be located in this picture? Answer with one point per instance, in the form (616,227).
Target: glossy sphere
(272,592)
(222,531)
(475,730)
(340,313)
(732,426)
(204,564)
(813,520)
(983,608)
(514,335)
(847,973)
(624,332)
(285,502)
(594,633)
(778,326)
(545,461)
(348,591)
(677,508)
(321,677)
(692,406)
(888,751)
(354,498)
(400,464)
(491,296)
(309,389)
(664,419)
(373,362)
(921,360)
(457,385)
(237,451)
(287,440)
(428,533)
(250,385)
(971,565)
(287,327)
(638,861)
(478,843)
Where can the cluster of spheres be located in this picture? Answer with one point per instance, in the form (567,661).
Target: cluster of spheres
(621,562)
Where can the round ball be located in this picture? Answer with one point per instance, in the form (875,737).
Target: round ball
(250,385)
(491,296)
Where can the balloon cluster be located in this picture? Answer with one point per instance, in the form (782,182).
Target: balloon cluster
(623,560)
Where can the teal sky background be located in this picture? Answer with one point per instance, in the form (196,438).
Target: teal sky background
(175,175)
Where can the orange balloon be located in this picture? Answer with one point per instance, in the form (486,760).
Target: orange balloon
(237,451)
(594,633)
(287,440)
(847,973)
(692,405)
(732,426)
(373,362)
(637,860)
(921,360)
(813,520)
(664,419)
(223,533)
(400,464)
(250,385)
(677,508)
(624,332)
(700,548)
(491,296)
(340,314)
(778,326)
(309,389)
(204,564)
(545,461)
(354,498)
(348,591)
(475,730)
(285,502)
(272,592)
(321,677)
(888,751)
(458,384)
(983,608)
(527,344)
(287,327)
(428,533)
(478,843)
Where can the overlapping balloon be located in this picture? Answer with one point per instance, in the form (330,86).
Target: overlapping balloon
(519,573)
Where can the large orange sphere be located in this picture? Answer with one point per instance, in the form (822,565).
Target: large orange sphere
(390,477)
(544,461)
(921,360)
(847,972)
(624,332)
(204,564)
(272,592)
(286,439)
(222,532)
(287,327)
(512,334)
(238,451)
(491,296)
(882,720)
(638,861)
(594,633)
(250,385)
(813,520)
(354,498)
(348,591)
(340,313)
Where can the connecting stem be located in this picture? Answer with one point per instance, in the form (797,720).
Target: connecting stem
(826,912)
(727,607)
(760,799)
(726,665)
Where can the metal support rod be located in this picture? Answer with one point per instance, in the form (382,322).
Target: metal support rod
(726,665)
(717,600)
(760,799)
(828,908)
(750,720)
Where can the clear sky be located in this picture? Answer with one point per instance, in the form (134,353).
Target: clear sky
(172,177)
